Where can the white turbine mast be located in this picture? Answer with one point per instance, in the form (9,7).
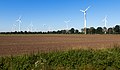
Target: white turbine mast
(84,11)
(105,22)
(19,22)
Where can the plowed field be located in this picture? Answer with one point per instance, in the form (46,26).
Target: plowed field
(20,44)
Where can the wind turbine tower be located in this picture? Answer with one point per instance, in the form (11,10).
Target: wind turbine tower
(84,11)
(105,21)
(19,22)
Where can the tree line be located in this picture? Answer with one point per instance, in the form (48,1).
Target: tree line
(71,31)
(104,30)
(91,30)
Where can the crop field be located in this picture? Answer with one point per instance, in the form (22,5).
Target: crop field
(22,44)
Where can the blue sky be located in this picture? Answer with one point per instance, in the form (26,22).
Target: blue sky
(51,14)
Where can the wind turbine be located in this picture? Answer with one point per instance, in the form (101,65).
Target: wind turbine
(84,11)
(105,21)
(19,22)
(67,21)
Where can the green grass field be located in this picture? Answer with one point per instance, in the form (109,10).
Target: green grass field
(89,59)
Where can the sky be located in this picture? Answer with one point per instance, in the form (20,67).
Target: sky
(47,15)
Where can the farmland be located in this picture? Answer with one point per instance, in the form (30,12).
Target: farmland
(15,44)
(59,52)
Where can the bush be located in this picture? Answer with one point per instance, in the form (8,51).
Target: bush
(105,59)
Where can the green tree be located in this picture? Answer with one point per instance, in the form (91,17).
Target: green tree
(63,31)
(110,30)
(87,30)
(99,30)
(92,30)
(72,30)
(105,30)
(59,32)
(117,29)
(82,30)
(76,31)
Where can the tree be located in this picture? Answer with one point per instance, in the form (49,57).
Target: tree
(25,32)
(72,30)
(87,30)
(76,31)
(15,32)
(59,32)
(63,31)
(82,30)
(54,32)
(92,30)
(110,30)
(105,30)
(117,29)
(99,30)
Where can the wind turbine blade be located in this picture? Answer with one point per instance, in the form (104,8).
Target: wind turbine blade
(19,19)
(87,8)
(82,10)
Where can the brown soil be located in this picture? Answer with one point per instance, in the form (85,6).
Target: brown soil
(20,44)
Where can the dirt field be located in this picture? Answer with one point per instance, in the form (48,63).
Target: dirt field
(19,44)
